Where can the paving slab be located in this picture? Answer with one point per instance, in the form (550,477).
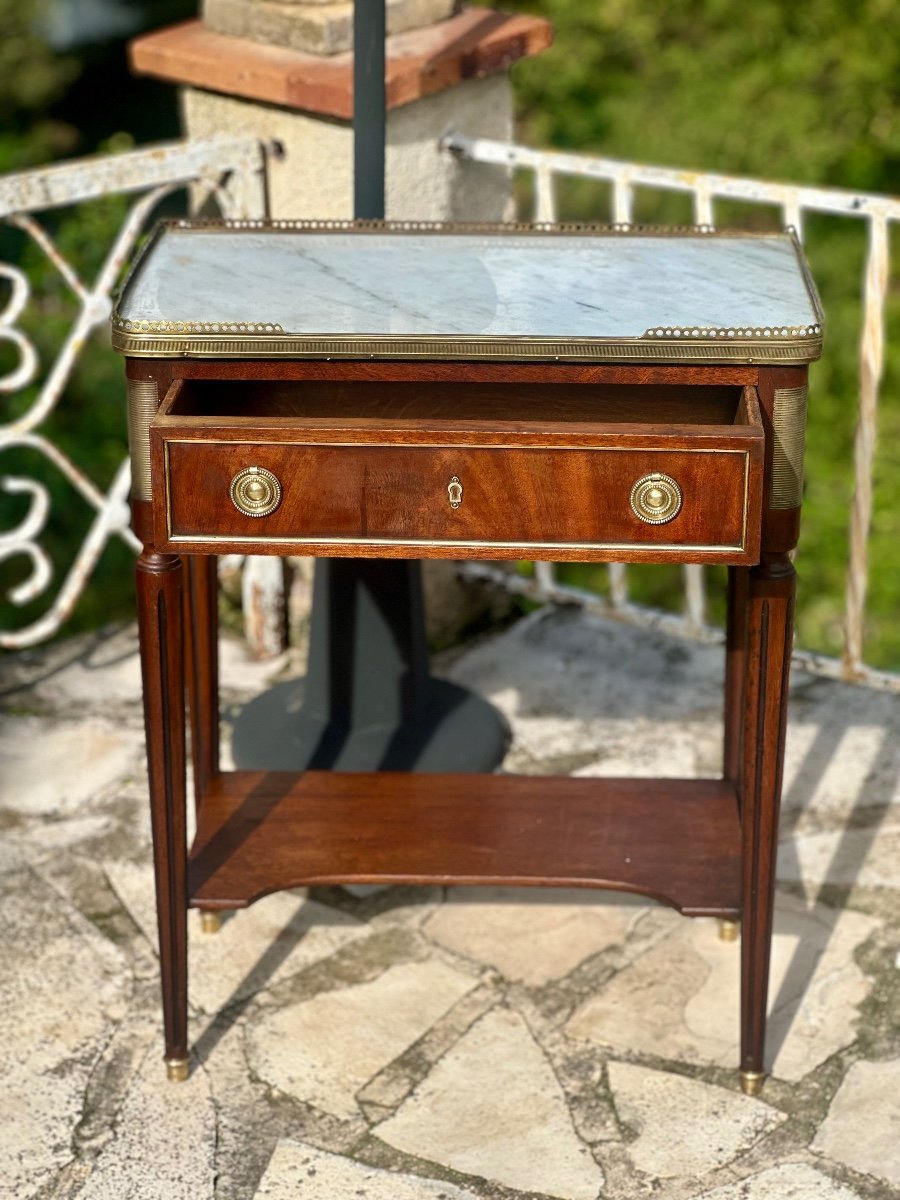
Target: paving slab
(792,1181)
(862,1129)
(532,935)
(681,998)
(650,749)
(255,947)
(55,768)
(492,1107)
(63,988)
(94,672)
(568,664)
(323,1050)
(164,1143)
(843,748)
(100,673)
(685,1127)
(865,858)
(35,839)
(10,861)
(301,1172)
(447,1042)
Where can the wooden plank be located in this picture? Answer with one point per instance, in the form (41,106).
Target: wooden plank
(677,840)
(476,42)
(395,370)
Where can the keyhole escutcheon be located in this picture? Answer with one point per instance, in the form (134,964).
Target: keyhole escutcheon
(455,492)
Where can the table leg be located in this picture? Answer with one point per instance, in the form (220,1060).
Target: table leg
(735,655)
(160,627)
(735,659)
(770,604)
(201,635)
(201,664)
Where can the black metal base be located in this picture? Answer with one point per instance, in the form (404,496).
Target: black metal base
(368,702)
(457,731)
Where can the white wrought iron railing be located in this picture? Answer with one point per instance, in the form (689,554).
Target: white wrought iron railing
(792,201)
(232,172)
(229,171)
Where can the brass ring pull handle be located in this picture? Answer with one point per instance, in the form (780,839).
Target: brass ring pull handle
(255,492)
(656,499)
(455,492)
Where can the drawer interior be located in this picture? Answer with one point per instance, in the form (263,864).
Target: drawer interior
(498,405)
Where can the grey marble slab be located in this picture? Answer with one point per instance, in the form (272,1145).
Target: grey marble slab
(469,286)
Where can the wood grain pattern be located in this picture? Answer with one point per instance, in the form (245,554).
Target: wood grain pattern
(420,62)
(781,526)
(770,604)
(541,450)
(520,497)
(676,840)
(202,667)
(735,670)
(367,480)
(424,371)
(477,404)
(159,598)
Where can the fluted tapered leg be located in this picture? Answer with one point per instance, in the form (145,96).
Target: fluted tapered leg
(202,667)
(735,658)
(770,603)
(160,624)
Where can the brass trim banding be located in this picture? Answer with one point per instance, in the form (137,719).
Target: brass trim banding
(789,423)
(752,1082)
(648,348)
(263,540)
(143,401)
(179,337)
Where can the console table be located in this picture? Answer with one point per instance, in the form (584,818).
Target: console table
(509,392)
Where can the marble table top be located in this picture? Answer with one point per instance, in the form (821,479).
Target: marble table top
(301,289)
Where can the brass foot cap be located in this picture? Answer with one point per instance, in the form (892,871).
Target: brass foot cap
(729,931)
(210,922)
(176,1070)
(752,1082)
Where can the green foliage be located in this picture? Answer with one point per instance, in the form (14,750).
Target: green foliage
(56,106)
(803,93)
(32,78)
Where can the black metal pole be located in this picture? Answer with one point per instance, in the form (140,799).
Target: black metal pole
(369,109)
(368,701)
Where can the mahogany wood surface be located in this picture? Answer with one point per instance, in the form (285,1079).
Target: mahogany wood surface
(542,450)
(202,668)
(520,497)
(735,668)
(406,400)
(377,471)
(781,526)
(419,62)
(427,371)
(770,605)
(677,840)
(159,599)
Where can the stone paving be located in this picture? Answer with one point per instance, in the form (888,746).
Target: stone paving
(434,1044)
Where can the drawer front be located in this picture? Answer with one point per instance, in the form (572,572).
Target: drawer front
(466,498)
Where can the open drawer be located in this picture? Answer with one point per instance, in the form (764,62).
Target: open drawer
(459,470)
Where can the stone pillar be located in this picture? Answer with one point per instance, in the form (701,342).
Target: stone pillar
(282,71)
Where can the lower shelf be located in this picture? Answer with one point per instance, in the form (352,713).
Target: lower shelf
(677,840)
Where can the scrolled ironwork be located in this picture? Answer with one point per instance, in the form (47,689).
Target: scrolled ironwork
(156,172)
